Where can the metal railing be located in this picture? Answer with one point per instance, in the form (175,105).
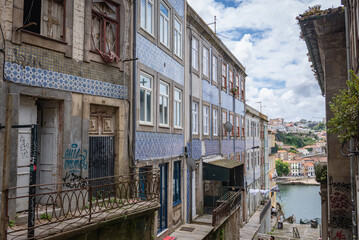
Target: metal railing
(68,205)
(266,208)
(228,203)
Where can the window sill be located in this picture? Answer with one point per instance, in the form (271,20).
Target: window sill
(146,124)
(164,126)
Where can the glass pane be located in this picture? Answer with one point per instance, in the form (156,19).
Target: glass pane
(143,13)
(149,18)
(161,109)
(149,103)
(145,81)
(165,110)
(142,105)
(179,114)
(164,10)
(177,95)
(177,25)
(163,89)
(96,32)
(165,33)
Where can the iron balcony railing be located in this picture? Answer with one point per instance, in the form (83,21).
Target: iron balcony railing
(76,204)
(227,204)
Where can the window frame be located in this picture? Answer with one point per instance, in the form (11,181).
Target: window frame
(237,82)
(214,69)
(180,102)
(243,127)
(176,198)
(231,120)
(195,118)
(205,118)
(152,102)
(238,128)
(175,30)
(161,82)
(224,120)
(224,75)
(207,63)
(231,83)
(152,2)
(215,125)
(195,54)
(168,19)
(242,90)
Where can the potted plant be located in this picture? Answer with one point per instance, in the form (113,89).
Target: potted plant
(234,91)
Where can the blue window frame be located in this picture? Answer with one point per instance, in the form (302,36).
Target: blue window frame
(176,183)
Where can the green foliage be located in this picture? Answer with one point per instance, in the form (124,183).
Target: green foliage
(282,168)
(11,223)
(345,108)
(319,127)
(308,141)
(293,150)
(320,170)
(310,149)
(45,216)
(290,139)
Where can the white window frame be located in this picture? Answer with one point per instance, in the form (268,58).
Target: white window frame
(164,96)
(195,120)
(205,61)
(215,121)
(177,103)
(231,120)
(205,120)
(146,89)
(215,69)
(148,27)
(195,53)
(165,39)
(177,38)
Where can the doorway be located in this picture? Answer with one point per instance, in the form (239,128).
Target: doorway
(162,212)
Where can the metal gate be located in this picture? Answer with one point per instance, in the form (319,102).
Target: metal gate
(101,156)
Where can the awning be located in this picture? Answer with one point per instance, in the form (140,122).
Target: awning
(222,169)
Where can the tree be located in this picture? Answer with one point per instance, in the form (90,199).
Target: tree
(281,167)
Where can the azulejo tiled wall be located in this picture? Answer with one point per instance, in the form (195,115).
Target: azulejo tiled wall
(197,149)
(157,145)
(50,79)
(212,147)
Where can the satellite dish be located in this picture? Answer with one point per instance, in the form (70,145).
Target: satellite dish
(191,163)
(228,126)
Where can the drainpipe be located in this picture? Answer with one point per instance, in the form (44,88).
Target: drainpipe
(134,83)
(191,119)
(352,157)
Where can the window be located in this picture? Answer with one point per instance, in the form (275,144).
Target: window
(231,120)
(205,62)
(205,120)
(224,120)
(243,126)
(231,80)
(105,29)
(164,103)
(195,118)
(214,69)
(237,85)
(176,182)
(48,16)
(215,122)
(147,13)
(242,90)
(178,38)
(164,24)
(145,98)
(195,53)
(177,108)
(248,128)
(224,76)
(237,126)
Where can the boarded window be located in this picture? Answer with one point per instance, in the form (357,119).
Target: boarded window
(45,17)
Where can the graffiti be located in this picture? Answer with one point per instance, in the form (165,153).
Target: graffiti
(72,180)
(341,186)
(24,147)
(339,201)
(75,158)
(340,235)
(101,157)
(26,59)
(341,222)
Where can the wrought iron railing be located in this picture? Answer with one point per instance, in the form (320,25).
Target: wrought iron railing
(227,204)
(75,204)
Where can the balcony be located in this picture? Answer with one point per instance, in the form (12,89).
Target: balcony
(75,205)
(227,204)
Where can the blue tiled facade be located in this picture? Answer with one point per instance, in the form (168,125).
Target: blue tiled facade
(227,101)
(155,145)
(210,93)
(197,149)
(212,147)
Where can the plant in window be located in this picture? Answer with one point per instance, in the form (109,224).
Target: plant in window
(345,108)
(235,91)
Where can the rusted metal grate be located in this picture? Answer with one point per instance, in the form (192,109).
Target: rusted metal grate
(187,229)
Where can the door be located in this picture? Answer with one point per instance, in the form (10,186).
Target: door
(162,212)
(27,115)
(47,119)
(194,211)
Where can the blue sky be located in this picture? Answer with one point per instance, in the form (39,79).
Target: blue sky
(264,36)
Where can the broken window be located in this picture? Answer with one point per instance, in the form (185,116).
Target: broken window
(105,29)
(45,17)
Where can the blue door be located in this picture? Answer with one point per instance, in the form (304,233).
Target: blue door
(162,212)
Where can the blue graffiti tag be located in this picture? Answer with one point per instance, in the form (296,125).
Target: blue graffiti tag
(75,158)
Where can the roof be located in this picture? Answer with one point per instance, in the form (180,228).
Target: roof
(332,21)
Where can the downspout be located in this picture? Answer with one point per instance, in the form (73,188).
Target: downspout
(352,156)
(134,83)
(191,119)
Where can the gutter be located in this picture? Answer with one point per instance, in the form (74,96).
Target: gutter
(134,83)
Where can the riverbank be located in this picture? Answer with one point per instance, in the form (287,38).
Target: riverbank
(296,181)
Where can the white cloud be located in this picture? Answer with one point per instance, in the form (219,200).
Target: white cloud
(279,74)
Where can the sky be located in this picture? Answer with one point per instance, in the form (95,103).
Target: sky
(264,36)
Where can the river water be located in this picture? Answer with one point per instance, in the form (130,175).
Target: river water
(301,200)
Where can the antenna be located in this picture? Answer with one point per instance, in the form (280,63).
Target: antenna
(215,24)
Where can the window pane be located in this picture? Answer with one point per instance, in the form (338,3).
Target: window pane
(149,18)
(164,10)
(165,33)
(145,81)
(142,105)
(161,109)
(165,110)
(149,103)
(163,89)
